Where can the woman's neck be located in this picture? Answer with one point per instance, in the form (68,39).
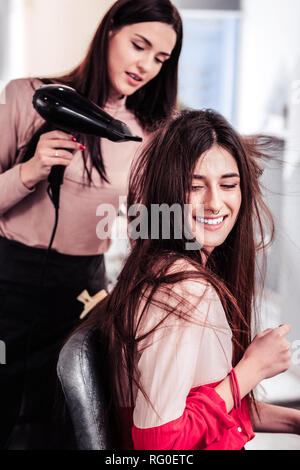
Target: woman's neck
(115,97)
(205,255)
(115,102)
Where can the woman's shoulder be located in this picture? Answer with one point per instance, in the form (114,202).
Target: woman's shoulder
(18,95)
(185,283)
(196,295)
(185,297)
(190,277)
(23,86)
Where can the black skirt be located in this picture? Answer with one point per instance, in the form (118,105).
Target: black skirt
(38,311)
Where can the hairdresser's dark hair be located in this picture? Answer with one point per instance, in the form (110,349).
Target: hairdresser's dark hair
(163,175)
(150,104)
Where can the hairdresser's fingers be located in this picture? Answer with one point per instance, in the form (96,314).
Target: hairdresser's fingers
(49,162)
(59,153)
(45,157)
(57,135)
(59,161)
(69,144)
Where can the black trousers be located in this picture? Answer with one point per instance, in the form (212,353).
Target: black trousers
(38,311)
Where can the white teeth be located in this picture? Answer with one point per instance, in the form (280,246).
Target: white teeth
(134,76)
(210,221)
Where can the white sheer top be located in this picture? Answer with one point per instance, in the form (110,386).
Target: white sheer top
(182,353)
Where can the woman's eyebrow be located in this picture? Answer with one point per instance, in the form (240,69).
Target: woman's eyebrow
(231,175)
(151,45)
(227,175)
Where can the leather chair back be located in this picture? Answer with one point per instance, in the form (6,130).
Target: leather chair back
(82,370)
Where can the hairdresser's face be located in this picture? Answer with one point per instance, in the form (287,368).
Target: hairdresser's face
(215,197)
(136,55)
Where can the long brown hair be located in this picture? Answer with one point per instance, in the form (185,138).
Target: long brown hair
(163,175)
(150,104)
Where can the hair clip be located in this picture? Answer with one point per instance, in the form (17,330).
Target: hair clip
(90,302)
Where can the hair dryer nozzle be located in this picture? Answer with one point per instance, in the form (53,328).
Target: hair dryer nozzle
(69,110)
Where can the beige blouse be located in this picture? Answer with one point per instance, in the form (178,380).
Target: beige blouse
(27,216)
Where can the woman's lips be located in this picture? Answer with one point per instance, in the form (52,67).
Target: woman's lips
(133,79)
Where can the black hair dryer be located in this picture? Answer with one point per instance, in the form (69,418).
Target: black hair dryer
(70,111)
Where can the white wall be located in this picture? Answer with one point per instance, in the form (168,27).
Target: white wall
(58,32)
(270,45)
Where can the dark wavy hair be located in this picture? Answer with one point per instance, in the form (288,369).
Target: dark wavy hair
(152,103)
(163,175)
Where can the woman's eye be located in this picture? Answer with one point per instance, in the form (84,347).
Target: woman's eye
(229,186)
(196,188)
(139,48)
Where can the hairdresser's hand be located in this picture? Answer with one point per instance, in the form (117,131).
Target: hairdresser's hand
(268,354)
(48,153)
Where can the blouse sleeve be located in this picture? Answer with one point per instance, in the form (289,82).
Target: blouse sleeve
(176,413)
(16,114)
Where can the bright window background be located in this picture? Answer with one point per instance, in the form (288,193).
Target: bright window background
(208,63)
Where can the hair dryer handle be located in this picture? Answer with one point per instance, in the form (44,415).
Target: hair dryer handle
(56,175)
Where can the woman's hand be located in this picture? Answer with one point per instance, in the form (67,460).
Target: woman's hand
(48,153)
(266,356)
(269,352)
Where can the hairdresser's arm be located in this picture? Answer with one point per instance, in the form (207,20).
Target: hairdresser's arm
(12,189)
(267,356)
(17,123)
(274,418)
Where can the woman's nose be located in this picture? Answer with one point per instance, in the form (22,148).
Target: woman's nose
(213,200)
(145,63)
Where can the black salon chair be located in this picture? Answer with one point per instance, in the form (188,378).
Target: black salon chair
(82,373)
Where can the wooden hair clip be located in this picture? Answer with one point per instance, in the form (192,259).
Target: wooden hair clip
(90,302)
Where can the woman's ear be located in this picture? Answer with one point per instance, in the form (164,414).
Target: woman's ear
(112,29)
(111,33)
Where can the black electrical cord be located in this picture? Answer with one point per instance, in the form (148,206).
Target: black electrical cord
(55,200)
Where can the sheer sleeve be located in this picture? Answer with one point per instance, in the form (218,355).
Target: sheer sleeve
(177,409)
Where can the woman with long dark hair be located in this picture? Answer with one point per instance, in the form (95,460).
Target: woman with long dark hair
(178,322)
(130,70)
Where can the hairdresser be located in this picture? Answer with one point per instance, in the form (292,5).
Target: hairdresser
(130,71)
